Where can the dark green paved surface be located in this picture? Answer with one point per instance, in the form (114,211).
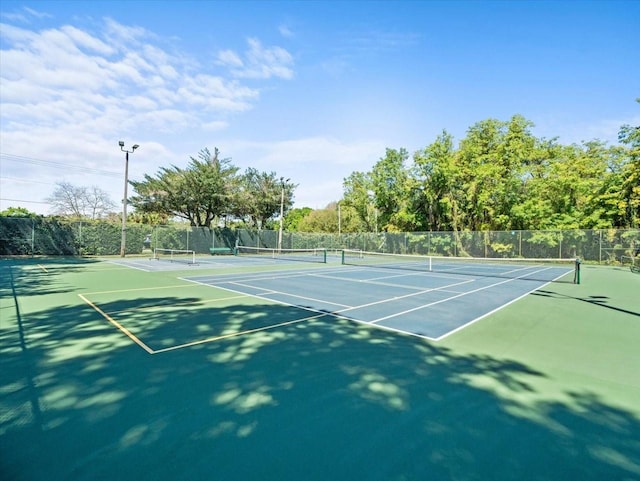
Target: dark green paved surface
(545,389)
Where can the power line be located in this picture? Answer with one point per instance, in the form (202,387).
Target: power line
(26,201)
(57,165)
(26,181)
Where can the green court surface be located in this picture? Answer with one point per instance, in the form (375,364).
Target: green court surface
(117,373)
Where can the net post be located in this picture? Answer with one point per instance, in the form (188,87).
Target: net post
(576,275)
(324,256)
(342,256)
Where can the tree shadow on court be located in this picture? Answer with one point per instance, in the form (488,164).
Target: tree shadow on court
(600,301)
(38,276)
(315,400)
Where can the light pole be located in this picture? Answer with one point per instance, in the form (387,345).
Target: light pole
(282,181)
(339,221)
(123,242)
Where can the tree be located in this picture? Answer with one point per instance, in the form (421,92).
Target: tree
(201,193)
(358,195)
(630,189)
(501,177)
(349,219)
(435,198)
(149,218)
(490,158)
(320,220)
(259,194)
(17,212)
(80,202)
(294,217)
(392,186)
(335,217)
(98,203)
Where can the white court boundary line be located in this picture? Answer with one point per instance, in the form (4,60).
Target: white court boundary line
(149,350)
(319,314)
(271,291)
(257,276)
(462,294)
(131,264)
(374,323)
(339,314)
(419,290)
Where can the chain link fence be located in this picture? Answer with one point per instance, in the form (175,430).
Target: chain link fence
(49,236)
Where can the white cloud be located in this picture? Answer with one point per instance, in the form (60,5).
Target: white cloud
(36,13)
(215,125)
(83,40)
(230,59)
(16,35)
(68,94)
(317,164)
(124,35)
(64,75)
(285,31)
(258,62)
(324,152)
(25,15)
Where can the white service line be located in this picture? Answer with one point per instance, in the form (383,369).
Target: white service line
(391,299)
(389,284)
(271,291)
(231,278)
(132,265)
(453,297)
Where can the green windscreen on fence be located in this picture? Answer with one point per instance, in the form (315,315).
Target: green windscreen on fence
(52,236)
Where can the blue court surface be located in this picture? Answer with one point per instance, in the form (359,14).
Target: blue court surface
(431,305)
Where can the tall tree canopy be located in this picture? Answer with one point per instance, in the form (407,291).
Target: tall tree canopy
(333,218)
(358,195)
(630,174)
(502,177)
(209,188)
(200,193)
(17,212)
(260,195)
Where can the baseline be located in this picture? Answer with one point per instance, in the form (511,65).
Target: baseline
(137,340)
(393,296)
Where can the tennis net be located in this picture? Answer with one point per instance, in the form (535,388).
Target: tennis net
(303,255)
(547,270)
(175,255)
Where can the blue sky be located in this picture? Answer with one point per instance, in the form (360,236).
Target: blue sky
(311,90)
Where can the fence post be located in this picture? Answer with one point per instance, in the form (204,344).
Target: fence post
(600,247)
(520,243)
(560,247)
(33,237)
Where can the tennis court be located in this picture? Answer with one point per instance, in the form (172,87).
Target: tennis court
(258,367)
(413,301)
